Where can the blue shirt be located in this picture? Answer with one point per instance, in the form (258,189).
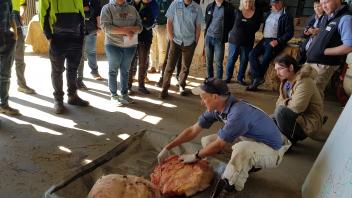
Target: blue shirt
(272,25)
(184,20)
(216,26)
(345,30)
(243,119)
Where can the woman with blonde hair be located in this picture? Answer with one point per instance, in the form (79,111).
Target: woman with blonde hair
(241,38)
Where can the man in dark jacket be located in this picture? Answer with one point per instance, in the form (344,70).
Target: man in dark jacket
(311,29)
(65,34)
(148,11)
(277,31)
(329,48)
(7,50)
(219,18)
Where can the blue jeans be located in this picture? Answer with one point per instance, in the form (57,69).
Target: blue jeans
(214,47)
(234,52)
(264,48)
(119,59)
(7,50)
(90,53)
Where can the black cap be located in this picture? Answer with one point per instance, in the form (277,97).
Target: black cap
(213,86)
(274,1)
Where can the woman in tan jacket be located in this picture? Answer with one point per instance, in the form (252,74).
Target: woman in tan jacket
(299,108)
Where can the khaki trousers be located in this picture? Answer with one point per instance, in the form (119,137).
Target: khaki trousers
(248,154)
(158,49)
(325,73)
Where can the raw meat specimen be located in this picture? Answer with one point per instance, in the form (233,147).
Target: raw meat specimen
(177,178)
(123,186)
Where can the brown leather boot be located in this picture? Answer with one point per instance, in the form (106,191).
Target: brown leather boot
(76,100)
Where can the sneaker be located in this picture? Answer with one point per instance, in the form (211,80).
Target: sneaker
(182,91)
(143,90)
(115,100)
(76,100)
(97,76)
(59,107)
(163,94)
(7,110)
(80,85)
(125,99)
(26,90)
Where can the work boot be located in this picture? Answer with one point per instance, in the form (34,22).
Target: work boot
(182,91)
(223,189)
(59,107)
(255,84)
(80,85)
(144,90)
(7,110)
(76,100)
(26,90)
(163,94)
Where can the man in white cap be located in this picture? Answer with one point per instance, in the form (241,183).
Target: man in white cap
(255,140)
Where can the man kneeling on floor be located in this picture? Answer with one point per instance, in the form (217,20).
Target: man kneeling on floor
(255,139)
(299,108)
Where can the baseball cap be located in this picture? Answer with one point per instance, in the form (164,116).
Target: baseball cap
(213,86)
(274,1)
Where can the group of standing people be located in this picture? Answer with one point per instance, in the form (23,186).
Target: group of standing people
(12,47)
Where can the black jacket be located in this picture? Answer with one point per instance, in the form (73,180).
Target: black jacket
(228,18)
(285,28)
(243,31)
(91,23)
(328,37)
(148,20)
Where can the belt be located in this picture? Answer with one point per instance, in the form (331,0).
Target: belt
(270,38)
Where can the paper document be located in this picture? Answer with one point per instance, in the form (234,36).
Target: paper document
(130,41)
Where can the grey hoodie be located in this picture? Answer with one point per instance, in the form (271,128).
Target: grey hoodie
(112,15)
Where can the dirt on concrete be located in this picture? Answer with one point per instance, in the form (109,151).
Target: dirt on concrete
(39,148)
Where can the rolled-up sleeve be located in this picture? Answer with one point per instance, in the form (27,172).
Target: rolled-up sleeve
(207,119)
(106,20)
(233,128)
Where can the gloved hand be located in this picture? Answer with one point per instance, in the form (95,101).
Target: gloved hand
(162,155)
(189,158)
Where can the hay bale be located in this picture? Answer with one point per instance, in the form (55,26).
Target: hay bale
(36,37)
(100,43)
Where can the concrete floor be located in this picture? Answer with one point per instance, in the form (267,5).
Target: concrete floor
(40,148)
